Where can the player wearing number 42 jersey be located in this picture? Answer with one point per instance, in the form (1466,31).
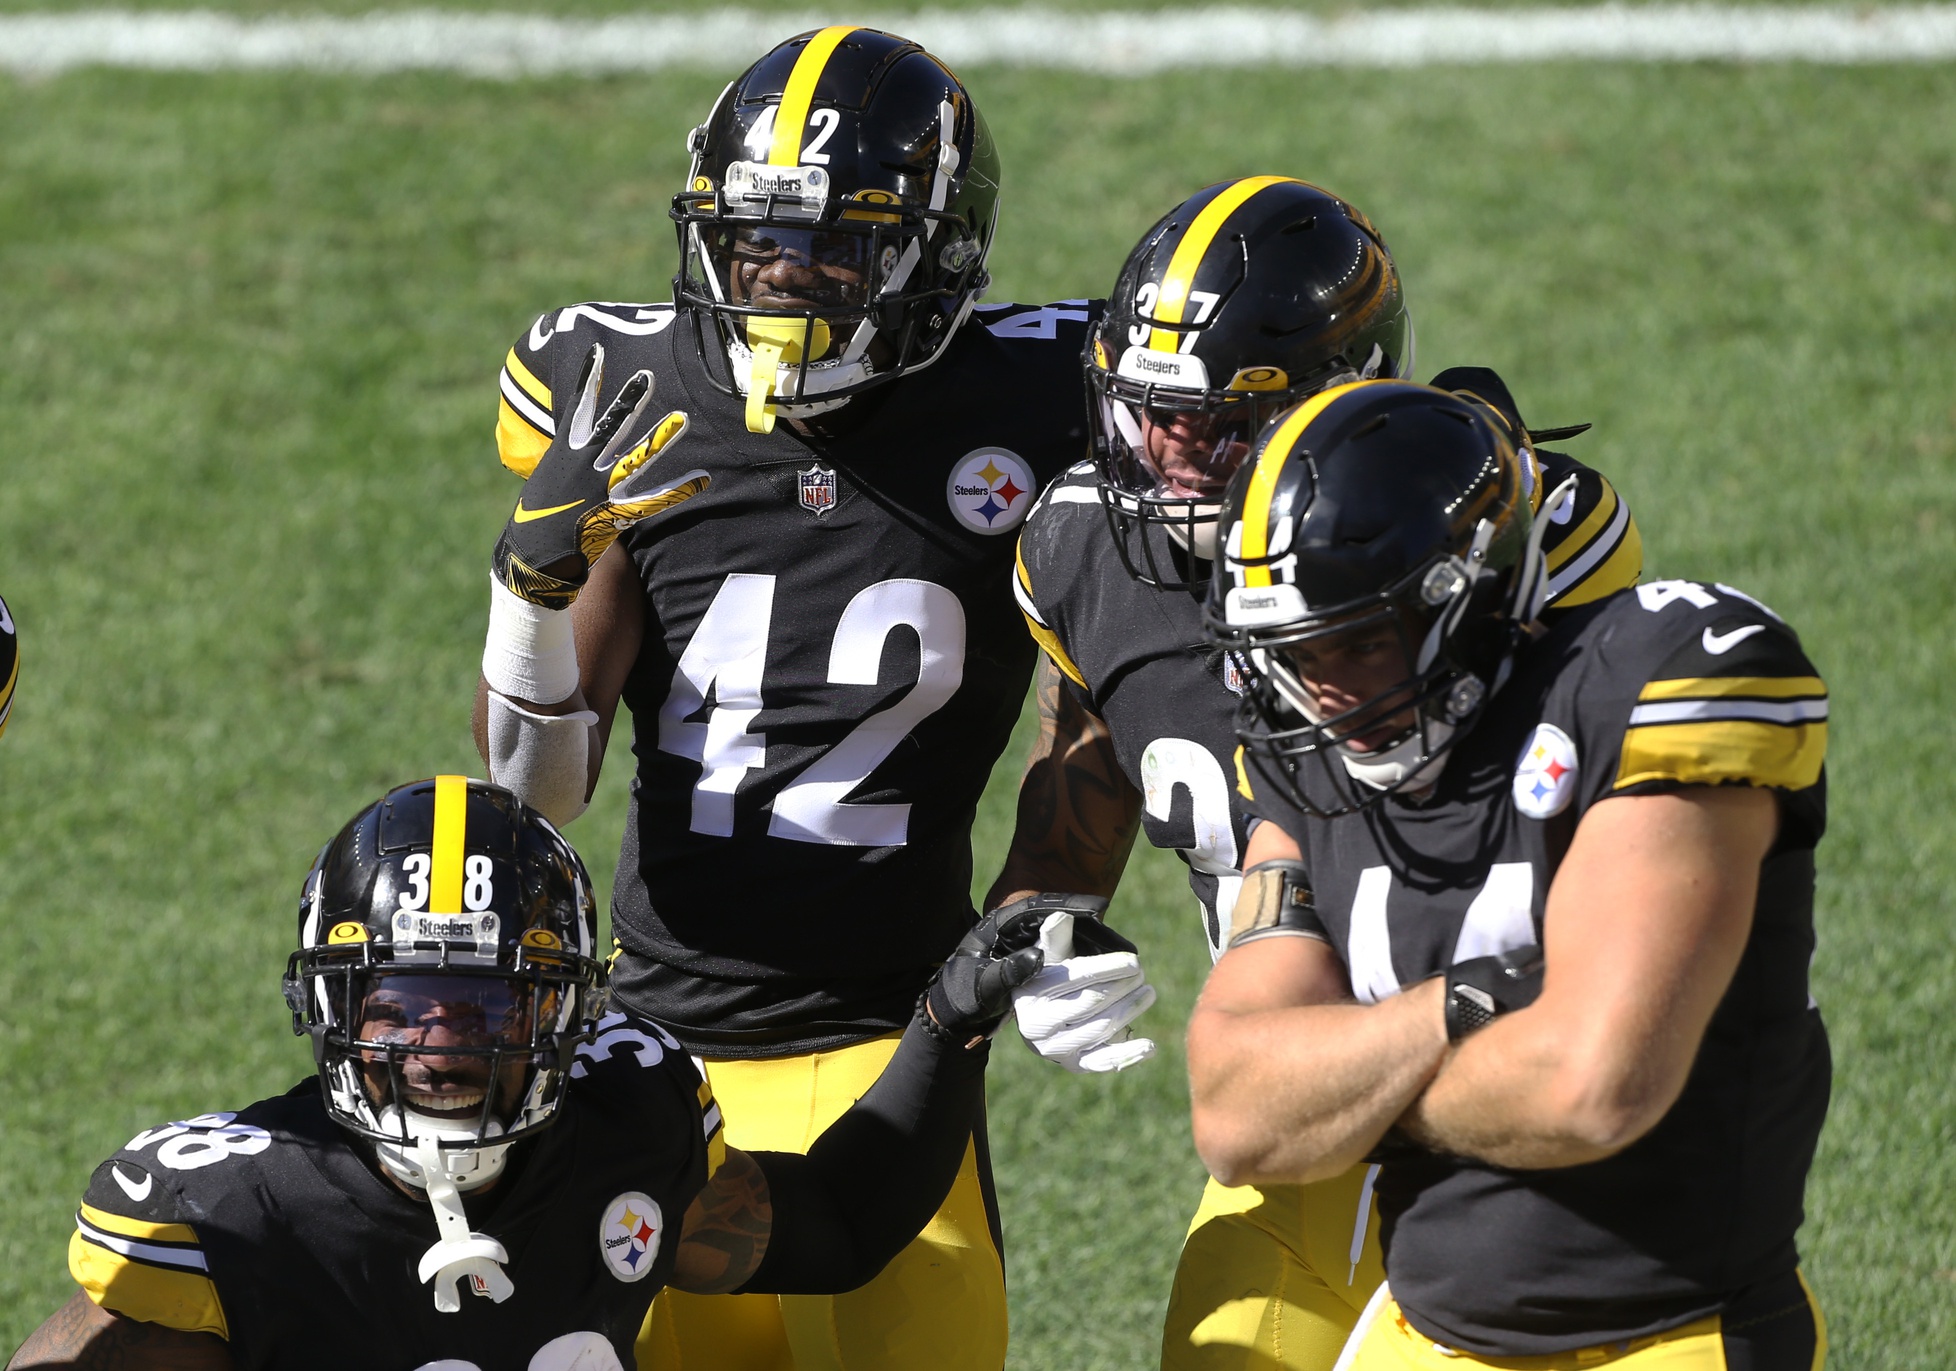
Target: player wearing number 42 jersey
(489,1172)
(818,455)
(1249,296)
(1538,911)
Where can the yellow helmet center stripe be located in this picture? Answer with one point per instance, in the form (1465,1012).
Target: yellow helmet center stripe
(1263,482)
(1172,303)
(451,825)
(792,118)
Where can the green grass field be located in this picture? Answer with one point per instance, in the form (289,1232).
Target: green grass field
(247,493)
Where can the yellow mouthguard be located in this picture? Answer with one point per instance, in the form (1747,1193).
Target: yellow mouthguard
(776,342)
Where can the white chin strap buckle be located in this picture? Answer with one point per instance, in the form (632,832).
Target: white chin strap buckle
(461,1254)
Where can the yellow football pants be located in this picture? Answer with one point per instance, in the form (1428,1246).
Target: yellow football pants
(1790,1339)
(939,1304)
(1273,1278)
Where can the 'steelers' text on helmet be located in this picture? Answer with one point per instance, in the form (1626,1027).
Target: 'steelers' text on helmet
(446,972)
(1379,516)
(834,230)
(1246,298)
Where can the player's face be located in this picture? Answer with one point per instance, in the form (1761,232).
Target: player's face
(1193,453)
(777,268)
(450,1024)
(1344,670)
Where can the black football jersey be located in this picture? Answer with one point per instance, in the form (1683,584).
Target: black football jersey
(1674,684)
(832,663)
(268,1228)
(1138,658)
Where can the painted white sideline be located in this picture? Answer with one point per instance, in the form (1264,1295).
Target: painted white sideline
(1114,42)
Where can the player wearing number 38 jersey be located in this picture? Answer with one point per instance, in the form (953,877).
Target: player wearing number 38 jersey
(784,507)
(489,1172)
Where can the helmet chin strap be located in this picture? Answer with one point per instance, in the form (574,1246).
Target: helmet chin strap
(1198,537)
(461,1254)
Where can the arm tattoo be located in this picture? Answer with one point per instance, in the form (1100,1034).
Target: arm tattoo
(726,1230)
(81,1336)
(1078,814)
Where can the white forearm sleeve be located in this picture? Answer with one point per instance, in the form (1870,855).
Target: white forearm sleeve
(530,653)
(544,758)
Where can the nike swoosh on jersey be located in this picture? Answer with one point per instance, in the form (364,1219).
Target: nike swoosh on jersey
(1719,644)
(523,516)
(135,1192)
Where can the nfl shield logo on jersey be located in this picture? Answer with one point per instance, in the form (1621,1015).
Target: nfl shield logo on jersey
(1545,778)
(817,488)
(1233,676)
(629,1235)
(990,490)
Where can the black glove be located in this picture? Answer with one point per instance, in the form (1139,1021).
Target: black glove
(972,992)
(1480,988)
(587,488)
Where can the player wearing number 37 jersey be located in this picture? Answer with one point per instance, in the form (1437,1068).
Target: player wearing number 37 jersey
(819,456)
(1245,298)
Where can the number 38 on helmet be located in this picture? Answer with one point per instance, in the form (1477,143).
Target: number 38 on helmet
(446,973)
(1379,569)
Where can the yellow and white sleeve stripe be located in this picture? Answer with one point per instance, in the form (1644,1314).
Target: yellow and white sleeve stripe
(1042,632)
(1720,730)
(524,424)
(715,1127)
(1600,556)
(150,1272)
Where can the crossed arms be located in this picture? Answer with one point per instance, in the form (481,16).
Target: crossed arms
(1294,1080)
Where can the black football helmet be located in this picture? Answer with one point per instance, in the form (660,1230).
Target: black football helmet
(1389,515)
(9,664)
(833,233)
(1244,299)
(446,972)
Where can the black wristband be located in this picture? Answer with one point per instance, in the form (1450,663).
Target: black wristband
(1481,989)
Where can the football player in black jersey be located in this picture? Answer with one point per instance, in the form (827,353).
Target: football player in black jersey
(1247,297)
(9,664)
(818,473)
(1529,914)
(488,1167)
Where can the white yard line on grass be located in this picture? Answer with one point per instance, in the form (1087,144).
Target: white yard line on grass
(1118,43)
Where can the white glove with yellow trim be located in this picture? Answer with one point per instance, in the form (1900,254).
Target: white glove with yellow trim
(1078,1009)
(591,484)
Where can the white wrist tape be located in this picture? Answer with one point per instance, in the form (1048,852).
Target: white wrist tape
(530,653)
(544,758)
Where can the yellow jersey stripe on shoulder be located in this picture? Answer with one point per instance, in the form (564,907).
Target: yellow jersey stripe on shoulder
(1592,547)
(1042,633)
(518,443)
(179,1297)
(1724,752)
(526,380)
(714,1124)
(1172,304)
(1719,730)
(1725,687)
(140,1230)
(791,118)
(1620,570)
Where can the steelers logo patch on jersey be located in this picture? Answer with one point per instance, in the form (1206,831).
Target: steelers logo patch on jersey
(1545,778)
(629,1235)
(991,490)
